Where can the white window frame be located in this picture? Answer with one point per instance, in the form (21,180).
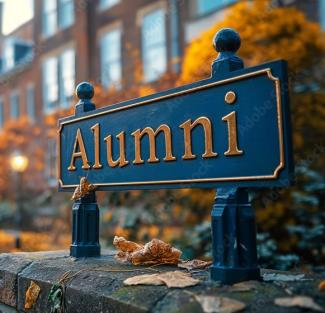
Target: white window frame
(107,4)
(62,99)
(104,59)
(65,99)
(61,5)
(30,104)
(220,4)
(45,18)
(15,111)
(51,162)
(2,113)
(142,14)
(322,13)
(47,81)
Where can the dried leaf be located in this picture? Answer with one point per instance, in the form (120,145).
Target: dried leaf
(178,279)
(151,279)
(282,277)
(321,285)
(154,252)
(174,279)
(299,301)
(243,286)
(32,295)
(83,189)
(212,304)
(125,245)
(194,264)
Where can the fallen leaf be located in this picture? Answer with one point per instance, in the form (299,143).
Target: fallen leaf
(154,252)
(321,285)
(174,279)
(194,264)
(299,301)
(283,277)
(212,304)
(178,279)
(32,295)
(151,279)
(243,286)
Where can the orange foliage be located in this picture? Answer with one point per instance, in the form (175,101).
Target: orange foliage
(267,33)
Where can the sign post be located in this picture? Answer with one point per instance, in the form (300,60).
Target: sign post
(230,132)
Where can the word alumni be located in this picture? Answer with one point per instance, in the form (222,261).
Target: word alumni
(79,149)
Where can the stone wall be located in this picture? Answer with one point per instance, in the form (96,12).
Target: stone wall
(96,285)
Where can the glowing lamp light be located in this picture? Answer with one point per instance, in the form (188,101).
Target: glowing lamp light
(19,163)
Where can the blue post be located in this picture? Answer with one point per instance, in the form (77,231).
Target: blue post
(85,212)
(233,220)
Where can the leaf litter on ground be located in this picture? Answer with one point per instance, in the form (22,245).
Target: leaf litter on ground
(299,301)
(194,264)
(175,279)
(244,286)
(214,304)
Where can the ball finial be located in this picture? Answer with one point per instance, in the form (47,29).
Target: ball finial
(226,40)
(85,91)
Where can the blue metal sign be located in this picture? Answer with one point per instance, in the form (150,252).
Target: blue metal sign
(230,130)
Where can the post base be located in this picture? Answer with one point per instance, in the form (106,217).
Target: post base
(229,276)
(83,251)
(85,227)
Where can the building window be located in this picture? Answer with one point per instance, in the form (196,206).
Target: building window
(208,6)
(51,161)
(50,84)
(49,17)
(9,55)
(67,77)
(154,50)
(30,103)
(2,115)
(110,57)
(58,80)
(105,4)
(322,13)
(14,105)
(66,13)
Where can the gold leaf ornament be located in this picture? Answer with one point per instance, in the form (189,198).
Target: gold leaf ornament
(83,189)
(32,294)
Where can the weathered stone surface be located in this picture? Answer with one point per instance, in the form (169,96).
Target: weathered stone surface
(96,285)
(11,265)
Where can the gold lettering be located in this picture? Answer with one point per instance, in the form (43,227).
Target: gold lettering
(138,134)
(95,130)
(233,149)
(188,126)
(121,161)
(79,154)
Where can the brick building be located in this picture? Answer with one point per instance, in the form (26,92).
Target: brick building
(69,41)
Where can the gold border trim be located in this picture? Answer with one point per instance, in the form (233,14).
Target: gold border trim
(266,71)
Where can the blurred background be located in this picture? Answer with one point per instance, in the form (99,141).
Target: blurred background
(134,48)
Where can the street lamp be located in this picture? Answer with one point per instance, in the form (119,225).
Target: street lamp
(19,164)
